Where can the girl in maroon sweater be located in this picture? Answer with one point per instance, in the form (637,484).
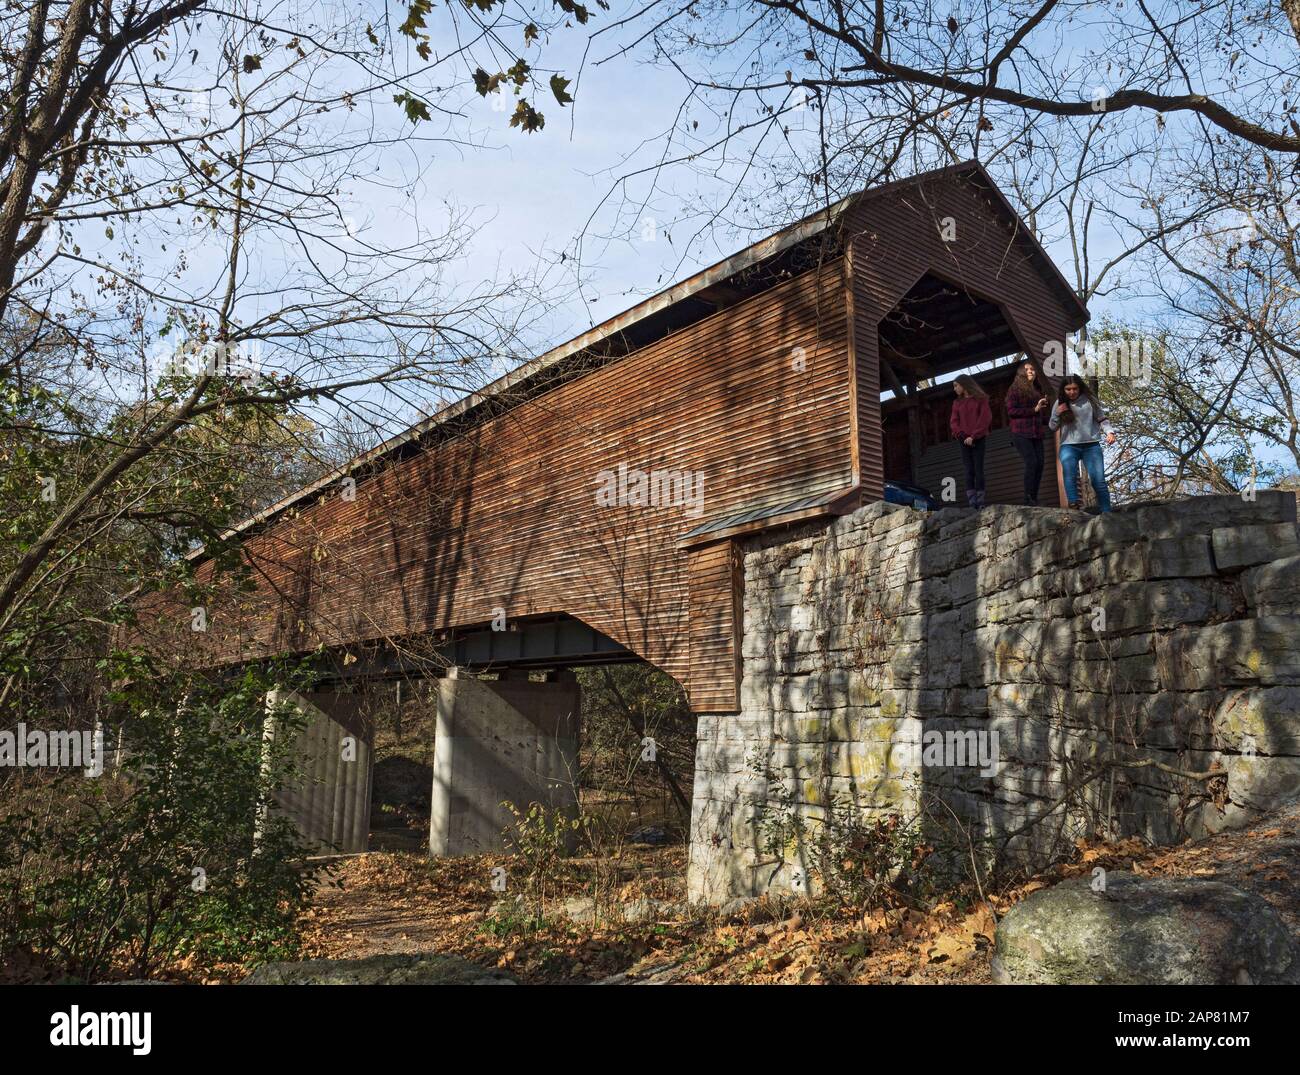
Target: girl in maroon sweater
(969,423)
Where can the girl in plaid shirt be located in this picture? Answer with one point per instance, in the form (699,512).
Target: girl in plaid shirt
(1027,413)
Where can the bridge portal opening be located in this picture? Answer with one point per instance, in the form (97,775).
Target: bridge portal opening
(936,331)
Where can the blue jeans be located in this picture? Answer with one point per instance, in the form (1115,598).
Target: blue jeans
(1094,462)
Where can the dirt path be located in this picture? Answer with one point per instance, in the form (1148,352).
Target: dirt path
(405,903)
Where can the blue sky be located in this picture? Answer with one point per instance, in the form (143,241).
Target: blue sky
(530,197)
(533,195)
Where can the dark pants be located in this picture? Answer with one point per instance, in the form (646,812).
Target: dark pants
(1032,455)
(973,457)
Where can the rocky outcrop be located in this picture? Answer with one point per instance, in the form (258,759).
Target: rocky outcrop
(1136,673)
(1144,931)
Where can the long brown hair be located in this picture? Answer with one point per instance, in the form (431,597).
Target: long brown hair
(1084,393)
(972,390)
(1024,384)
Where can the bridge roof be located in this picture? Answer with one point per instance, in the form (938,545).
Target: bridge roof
(788,238)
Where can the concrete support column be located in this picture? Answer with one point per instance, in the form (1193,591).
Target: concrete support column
(506,740)
(331,804)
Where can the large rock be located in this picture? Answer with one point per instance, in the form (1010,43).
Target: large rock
(1201,514)
(426,969)
(585,910)
(1263,650)
(1159,931)
(1258,721)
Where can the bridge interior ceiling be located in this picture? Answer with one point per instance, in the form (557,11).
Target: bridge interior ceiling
(939,327)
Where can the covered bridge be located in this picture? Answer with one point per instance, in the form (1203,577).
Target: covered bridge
(591,499)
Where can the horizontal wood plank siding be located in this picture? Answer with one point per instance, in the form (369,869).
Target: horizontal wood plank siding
(715,627)
(897,240)
(754,398)
(1003,481)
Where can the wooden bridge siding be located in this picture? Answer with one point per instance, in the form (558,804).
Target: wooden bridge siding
(896,240)
(869,452)
(716,617)
(505,515)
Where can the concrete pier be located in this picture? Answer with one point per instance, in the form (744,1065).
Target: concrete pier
(500,740)
(331,805)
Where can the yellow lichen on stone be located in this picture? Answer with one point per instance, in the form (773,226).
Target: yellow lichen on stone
(810,727)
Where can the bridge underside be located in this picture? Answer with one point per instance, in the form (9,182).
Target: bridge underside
(509,739)
(542,642)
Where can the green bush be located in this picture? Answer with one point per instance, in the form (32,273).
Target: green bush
(541,836)
(171,856)
(859,858)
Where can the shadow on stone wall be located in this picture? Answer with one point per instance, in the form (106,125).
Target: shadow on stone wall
(1133,674)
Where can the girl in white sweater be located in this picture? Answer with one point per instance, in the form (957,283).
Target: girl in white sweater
(1082,422)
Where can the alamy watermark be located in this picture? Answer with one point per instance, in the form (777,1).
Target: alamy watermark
(114,1029)
(959,750)
(1126,358)
(35,748)
(242,360)
(629,487)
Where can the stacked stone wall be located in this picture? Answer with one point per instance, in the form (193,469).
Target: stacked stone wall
(1139,673)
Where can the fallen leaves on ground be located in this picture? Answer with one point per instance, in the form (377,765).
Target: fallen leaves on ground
(405,902)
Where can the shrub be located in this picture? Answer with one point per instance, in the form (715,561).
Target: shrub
(858,858)
(541,836)
(172,855)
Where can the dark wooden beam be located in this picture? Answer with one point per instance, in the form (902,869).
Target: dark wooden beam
(892,377)
(913,441)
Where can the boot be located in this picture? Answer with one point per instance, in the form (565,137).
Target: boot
(972,498)
(981,495)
